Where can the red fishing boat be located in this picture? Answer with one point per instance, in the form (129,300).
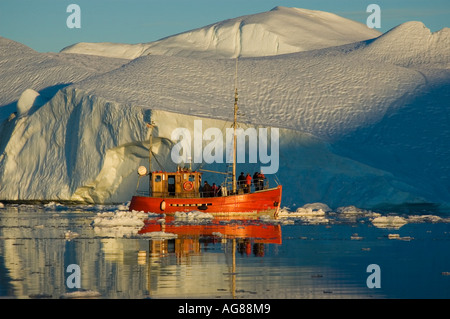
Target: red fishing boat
(182,190)
(257,202)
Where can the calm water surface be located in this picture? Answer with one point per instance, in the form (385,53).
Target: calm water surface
(119,257)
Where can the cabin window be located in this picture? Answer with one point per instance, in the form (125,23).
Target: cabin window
(171,185)
(192,178)
(158,178)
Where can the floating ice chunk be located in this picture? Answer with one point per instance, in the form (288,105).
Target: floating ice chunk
(301,212)
(118,220)
(81,294)
(124,207)
(356,237)
(309,213)
(54,206)
(318,206)
(389,222)
(121,218)
(120,223)
(316,220)
(424,219)
(353,210)
(287,222)
(278,221)
(193,215)
(284,211)
(398,237)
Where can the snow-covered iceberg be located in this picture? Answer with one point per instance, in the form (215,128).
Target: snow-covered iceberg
(279,31)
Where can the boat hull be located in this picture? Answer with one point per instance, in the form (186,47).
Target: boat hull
(265,201)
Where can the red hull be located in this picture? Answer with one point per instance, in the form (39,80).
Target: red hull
(265,201)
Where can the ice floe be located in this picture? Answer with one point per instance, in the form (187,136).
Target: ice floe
(120,218)
(81,294)
(193,216)
(119,223)
(320,213)
(398,237)
(310,213)
(424,219)
(389,222)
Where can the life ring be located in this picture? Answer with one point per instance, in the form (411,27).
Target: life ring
(188,186)
(142,171)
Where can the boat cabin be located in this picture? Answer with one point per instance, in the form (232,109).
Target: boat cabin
(182,183)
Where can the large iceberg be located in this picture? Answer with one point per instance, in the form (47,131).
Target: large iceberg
(361,124)
(278,31)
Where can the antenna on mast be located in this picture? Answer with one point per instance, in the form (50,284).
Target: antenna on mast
(235,125)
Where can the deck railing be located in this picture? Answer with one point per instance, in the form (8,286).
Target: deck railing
(224,190)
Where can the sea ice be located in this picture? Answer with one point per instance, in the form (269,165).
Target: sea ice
(193,216)
(81,294)
(389,222)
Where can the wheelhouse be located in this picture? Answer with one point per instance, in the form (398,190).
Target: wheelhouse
(182,183)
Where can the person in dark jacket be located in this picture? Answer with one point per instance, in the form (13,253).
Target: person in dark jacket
(207,190)
(261,180)
(241,181)
(256,181)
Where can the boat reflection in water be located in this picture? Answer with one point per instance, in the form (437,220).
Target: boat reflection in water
(185,240)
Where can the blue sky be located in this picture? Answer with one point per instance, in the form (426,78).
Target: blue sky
(41,24)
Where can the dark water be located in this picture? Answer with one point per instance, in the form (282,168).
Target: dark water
(294,257)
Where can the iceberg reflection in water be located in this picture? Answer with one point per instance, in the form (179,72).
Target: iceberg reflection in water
(308,253)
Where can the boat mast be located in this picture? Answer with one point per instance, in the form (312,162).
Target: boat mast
(234,126)
(150,125)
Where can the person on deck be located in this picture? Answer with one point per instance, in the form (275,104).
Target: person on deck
(256,181)
(207,190)
(241,181)
(261,178)
(214,190)
(248,185)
